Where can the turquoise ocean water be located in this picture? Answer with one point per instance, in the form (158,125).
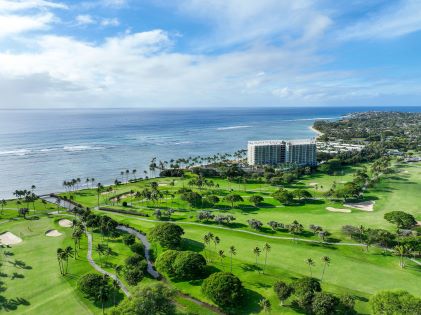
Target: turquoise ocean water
(45,147)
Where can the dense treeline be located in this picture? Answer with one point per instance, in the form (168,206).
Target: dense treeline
(394,130)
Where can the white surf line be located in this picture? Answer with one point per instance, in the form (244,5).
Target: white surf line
(240,231)
(99,269)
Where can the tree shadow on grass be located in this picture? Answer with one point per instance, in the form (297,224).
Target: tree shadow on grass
(324,245)
(250,303)
(12,304)
(16,275)
(251,268)
(189,244)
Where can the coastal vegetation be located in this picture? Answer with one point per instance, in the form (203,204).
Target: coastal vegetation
(224,238)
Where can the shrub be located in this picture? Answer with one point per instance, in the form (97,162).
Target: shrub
(283,290)
(134,260)
(138,248)
(129,239)
(90,283)
(133,274)
(402,219)
(152,299)
(124,203)
(395,302)
(189,265)
(168,235)
(304,289)
(165,261)
(324,303)
(224,289)
(185,265)
(171,172)
(256,199)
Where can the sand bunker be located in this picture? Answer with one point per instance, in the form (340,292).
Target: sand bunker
(313,184)
(8,238)
(338,210)
(364,205)
(53,233)
(65,223)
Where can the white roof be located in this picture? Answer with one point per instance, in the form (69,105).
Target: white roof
(279,142)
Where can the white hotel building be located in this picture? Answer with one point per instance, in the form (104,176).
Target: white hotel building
(275,152)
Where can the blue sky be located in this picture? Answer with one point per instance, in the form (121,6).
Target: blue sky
(209,53)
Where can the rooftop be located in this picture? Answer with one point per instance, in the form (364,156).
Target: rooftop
(279,142)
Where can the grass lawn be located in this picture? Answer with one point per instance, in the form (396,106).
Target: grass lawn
(352,270)
(38,287)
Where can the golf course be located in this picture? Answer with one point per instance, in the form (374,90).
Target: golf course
(33,283)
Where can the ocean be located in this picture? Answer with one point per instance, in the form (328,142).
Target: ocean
(46,147)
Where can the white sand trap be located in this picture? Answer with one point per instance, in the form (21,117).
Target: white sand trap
(65,223)
(364,205)
(313,184)
(338,210)
(419,223)
(8,238)
(53,233)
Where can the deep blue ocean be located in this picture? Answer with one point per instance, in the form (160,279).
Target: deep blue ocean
(45,147)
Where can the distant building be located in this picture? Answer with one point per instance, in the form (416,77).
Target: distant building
(275,152)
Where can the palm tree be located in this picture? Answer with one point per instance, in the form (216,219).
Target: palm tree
(2,204)
(115,286)
(256,251)
(401,250)
(100,249)
(266,249)
(326,261)
(69,252)
(103,292)
(232,252)
(60,255)
(310,263)
(216,241)
(222,256)
(98,192)
(206,241)
(134,173)
(76,235)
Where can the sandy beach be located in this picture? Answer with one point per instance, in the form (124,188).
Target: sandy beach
(316,131)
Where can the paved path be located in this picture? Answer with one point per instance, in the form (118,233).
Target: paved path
(99,269)
(147,246)
(240,231)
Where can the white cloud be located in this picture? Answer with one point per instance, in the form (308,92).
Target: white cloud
(243,21)
(15,24)
(110,22)
(11,6)
(84,19)
(398,19)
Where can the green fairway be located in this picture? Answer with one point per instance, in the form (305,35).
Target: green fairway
(39,284)
(352,269)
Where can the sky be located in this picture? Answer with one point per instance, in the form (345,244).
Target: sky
(209,53)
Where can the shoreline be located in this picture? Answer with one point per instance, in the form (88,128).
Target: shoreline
(319,133)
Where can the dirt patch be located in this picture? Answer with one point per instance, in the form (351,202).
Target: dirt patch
(419,223)
(9,238)
(364,205)
(53,233)
(338,210)
(65,223)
